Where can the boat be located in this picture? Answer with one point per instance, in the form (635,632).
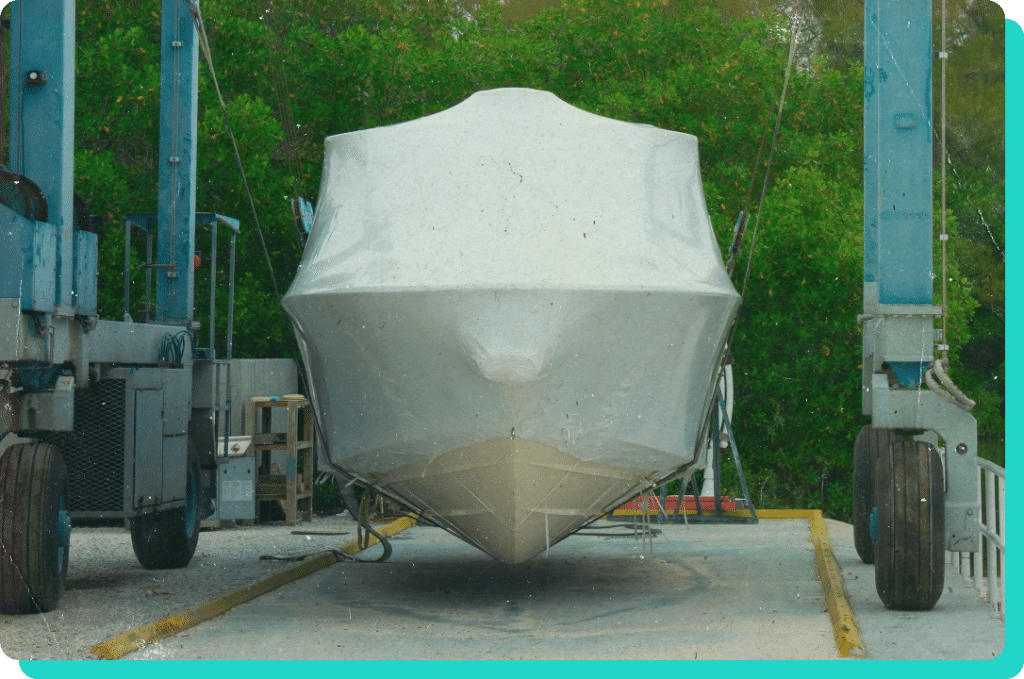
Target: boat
(512,313)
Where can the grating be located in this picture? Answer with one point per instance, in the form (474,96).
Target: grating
(94,452)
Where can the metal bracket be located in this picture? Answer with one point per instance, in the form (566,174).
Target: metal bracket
(923,410)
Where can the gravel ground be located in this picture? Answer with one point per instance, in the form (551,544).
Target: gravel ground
(108,592)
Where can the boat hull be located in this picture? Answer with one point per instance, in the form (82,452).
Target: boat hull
(512,314)
(615,384)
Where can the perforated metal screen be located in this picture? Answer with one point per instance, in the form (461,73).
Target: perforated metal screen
(94,451)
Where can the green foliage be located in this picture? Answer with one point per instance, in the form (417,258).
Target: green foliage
(294,73)
(797,347)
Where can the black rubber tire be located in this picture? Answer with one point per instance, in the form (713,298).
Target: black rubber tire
(910,551)
(865,450)
(168,539)
(35,528)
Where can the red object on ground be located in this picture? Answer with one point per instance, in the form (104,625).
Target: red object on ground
(707,504)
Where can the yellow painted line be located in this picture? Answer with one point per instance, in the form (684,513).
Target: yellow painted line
(125,643)
(784,513)
(843,624)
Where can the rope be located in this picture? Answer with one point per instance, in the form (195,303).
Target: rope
(794,31)
(197,19)
(771,154)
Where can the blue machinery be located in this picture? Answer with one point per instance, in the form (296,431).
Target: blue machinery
(916,485)
(98,419)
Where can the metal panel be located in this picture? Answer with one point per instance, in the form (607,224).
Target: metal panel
(177,389)
(15,237)
(236,486)
(40,285)
(47,410)
(203,374)
(86,266)
(10,327)
(148,448)
(174,468)
(115,342)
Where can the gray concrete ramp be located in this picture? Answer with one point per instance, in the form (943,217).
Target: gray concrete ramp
(961,626)
(704,592)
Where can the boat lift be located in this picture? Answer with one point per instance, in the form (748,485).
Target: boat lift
(916,490)
(98,419)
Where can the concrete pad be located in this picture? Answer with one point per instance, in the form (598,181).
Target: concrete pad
(962,626)
(708,591)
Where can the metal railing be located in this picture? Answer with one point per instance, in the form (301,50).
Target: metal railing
(986,568)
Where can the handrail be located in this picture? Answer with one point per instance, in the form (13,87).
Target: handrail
(986,568)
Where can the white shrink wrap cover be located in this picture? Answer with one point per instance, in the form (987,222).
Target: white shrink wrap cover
(512,313)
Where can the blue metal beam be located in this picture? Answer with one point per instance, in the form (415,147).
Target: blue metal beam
(177,197)
(897,153)
(42,128)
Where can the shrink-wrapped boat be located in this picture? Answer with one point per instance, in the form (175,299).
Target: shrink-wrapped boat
(512,314)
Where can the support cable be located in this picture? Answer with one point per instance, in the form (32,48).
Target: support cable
(739,230)
(794,31)
(771,154)
(943,236)
(936,377)
(197,18)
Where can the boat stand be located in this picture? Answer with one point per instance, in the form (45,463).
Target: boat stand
(719,425)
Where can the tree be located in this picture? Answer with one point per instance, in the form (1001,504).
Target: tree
(293,74)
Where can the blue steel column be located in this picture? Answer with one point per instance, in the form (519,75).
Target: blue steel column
(897,153)
(177,197)
(42,118)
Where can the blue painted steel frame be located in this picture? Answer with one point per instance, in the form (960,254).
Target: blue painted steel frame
(57,269)
(897,152)
(56,272)
(177,198)
(42,136)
